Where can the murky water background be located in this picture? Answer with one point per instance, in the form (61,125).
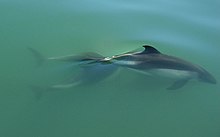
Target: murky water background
(125,105)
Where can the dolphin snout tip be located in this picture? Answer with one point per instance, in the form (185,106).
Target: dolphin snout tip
(212,81)
(209,79)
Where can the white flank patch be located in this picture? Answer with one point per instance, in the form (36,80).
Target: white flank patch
(174,74)
(127,63)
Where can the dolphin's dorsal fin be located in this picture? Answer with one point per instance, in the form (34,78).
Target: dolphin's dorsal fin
(150,50)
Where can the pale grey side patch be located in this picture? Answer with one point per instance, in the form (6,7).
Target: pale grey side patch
(127,63)
(173,74)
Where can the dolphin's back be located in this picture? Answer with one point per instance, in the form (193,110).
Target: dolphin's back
(168,62)
(161,61)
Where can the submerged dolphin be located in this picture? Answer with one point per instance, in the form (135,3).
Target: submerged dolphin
(149,61)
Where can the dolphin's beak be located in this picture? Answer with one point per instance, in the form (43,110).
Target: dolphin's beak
(210,79)
(213,81)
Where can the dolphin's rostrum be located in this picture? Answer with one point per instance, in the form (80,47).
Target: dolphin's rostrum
(149,61)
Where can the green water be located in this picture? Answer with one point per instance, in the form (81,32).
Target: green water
(127,104)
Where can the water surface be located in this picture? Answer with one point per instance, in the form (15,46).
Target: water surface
(125,105)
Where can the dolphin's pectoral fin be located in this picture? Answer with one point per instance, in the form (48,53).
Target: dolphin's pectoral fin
(178,84)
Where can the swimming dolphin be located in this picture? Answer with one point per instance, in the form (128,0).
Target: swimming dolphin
(149,61)
(152,61)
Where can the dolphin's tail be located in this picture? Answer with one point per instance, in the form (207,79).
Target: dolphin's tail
(91,69)
(87,75)
(40,59)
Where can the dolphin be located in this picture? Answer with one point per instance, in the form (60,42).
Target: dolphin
(150,61)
